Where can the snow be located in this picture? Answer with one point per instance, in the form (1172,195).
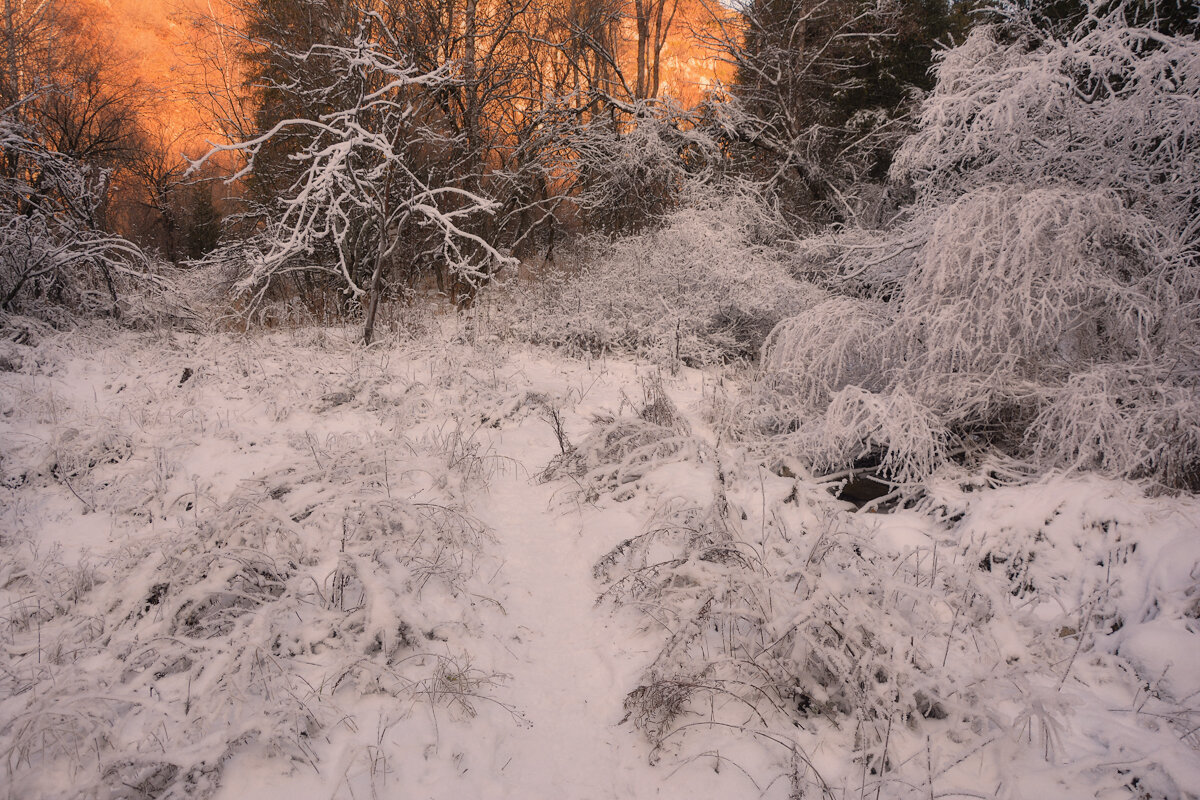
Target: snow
(566,678)
(315,570)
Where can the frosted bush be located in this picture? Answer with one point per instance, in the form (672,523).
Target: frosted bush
(1111,106)
(627,175)
(1051,250)
(864,263)
(1123,419)
(903,436)
(1013,280)
(239,629)
(702,289)
(619,451)
(1018,287)
(839,342)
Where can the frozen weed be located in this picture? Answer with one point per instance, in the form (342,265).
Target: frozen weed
(617,453)
(785,619)
(244,614)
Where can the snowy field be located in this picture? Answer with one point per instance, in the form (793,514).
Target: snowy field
(285,566)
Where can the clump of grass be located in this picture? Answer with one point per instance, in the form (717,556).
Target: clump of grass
(251,618)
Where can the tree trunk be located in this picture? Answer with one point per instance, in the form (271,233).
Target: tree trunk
(377,276)
(373,304)
(470,80)
(642,21)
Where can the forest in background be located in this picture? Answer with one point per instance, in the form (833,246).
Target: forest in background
(530,106)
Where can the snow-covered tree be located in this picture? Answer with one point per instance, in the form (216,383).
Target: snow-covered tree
(1043,294)
(362,200)
(66,123)
(52,251)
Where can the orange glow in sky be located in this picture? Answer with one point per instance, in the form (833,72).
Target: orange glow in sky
(151,36)
(149,43)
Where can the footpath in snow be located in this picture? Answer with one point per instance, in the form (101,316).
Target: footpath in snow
(568,661)
(569,668)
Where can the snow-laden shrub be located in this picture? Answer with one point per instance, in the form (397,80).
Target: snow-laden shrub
(988,633)
(1112,106)
(704,288)
(1125,419)
(901,434)
(1016,289)
(231,633)
(860,262)
(1051,249)
(1015,280)
(56,261)
(836,343)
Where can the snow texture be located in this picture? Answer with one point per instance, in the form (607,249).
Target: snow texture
(285,565)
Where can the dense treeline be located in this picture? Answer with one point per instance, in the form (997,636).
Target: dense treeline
(527,123)
(530,122)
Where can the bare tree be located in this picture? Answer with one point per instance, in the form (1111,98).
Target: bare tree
(63,126)
(653,20)
(216,51)
(361,193)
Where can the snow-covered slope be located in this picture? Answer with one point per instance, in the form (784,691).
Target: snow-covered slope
(282,566)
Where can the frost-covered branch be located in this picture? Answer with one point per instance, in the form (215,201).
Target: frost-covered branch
(362,187)
(52,249)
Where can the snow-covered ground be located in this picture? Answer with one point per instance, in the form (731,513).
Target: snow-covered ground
(283,566)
